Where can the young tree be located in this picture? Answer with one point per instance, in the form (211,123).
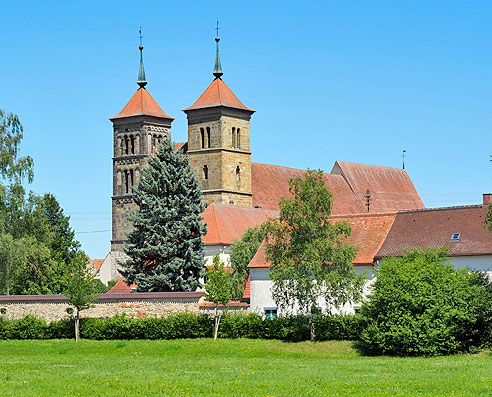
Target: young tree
(165,247)
(80,287)
(219,289)
(309,261)
(242,251)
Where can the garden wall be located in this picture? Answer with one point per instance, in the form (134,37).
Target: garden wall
(137,304)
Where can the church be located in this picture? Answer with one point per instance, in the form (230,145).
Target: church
(240,193)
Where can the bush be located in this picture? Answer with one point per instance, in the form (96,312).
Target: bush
(422,306)
(185,325)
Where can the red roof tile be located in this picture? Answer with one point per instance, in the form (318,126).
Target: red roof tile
(181,146)
(230,304)
(259,260)
(368,233)
(247,290)
(218,94)
(391,188)
(433,228)
(140,104)
(270,183)
(97,263)
(121,286)
(227,223)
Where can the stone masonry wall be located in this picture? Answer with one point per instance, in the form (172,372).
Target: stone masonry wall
(54,307)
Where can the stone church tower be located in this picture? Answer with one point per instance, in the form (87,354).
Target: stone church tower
(219,143)
(137,130)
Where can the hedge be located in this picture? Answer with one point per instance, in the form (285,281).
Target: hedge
(186,325)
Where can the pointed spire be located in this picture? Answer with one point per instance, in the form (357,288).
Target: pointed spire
(218,66)
(141,73)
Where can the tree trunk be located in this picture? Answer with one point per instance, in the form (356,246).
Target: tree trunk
(311,326)
(77,325)
(217,321)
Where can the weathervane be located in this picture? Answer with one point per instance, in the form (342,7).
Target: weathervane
(140,36)
(217,28)
(403,157)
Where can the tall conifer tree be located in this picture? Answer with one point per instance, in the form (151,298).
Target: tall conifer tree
(165,247)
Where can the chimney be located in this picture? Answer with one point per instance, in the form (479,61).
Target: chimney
(487,198)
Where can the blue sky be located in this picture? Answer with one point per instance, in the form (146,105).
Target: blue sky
(351,81)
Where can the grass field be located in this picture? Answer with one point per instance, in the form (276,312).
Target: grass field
(229,367)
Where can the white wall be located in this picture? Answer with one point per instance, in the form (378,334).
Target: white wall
(210,251)
(474,262)
(261,295)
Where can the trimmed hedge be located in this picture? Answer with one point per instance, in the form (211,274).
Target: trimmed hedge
(186,325)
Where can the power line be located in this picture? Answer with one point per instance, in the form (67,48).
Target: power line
(95,231)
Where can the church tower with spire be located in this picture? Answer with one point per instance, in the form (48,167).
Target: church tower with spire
(219,143)
(137,130)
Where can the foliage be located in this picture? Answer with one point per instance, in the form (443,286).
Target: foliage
(80,287)
(309,260)
(165,247)
(35,236)
(218,288)
(185,325)
(242,251)
(422,306)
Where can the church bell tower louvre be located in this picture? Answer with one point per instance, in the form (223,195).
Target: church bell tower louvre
(219,143)
(137,130)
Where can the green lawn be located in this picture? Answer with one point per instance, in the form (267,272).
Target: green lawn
(229,367)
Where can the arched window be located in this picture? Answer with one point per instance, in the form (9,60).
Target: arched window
(205,172)
(203,137)
(238,174)
(208,136)
(238,139)
(131,178)
(233,137)
(132,144)
(126,182)
(126,144)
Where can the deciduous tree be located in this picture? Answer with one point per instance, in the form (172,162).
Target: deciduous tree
(219,289)
(309,260)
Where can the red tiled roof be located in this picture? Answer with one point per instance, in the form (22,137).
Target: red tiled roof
(259,260)
(140,104)
(181,146)
(97,263)
(433,228)
(230,304)
(120,286)
(227,223)
(270,183)
(247,290)
(368,233)
(391,188)
(218,94)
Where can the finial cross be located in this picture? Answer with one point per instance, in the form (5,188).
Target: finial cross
(403,157)
(140,35)
(217,28)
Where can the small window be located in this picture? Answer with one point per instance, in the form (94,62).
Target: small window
(238,139)
(455,236)
(270,313)
(208,136)
(202,132)
(238,174)
(205,172)
(126,144)
(132,144)
(126,182)
(233,137)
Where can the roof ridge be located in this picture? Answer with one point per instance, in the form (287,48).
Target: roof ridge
(469,206)
(365,214)
(372,165)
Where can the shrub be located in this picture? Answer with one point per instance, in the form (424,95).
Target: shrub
(185,325)
(422,306)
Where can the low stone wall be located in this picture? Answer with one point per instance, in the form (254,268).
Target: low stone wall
(148,304)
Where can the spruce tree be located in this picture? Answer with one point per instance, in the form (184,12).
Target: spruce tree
(165,247)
